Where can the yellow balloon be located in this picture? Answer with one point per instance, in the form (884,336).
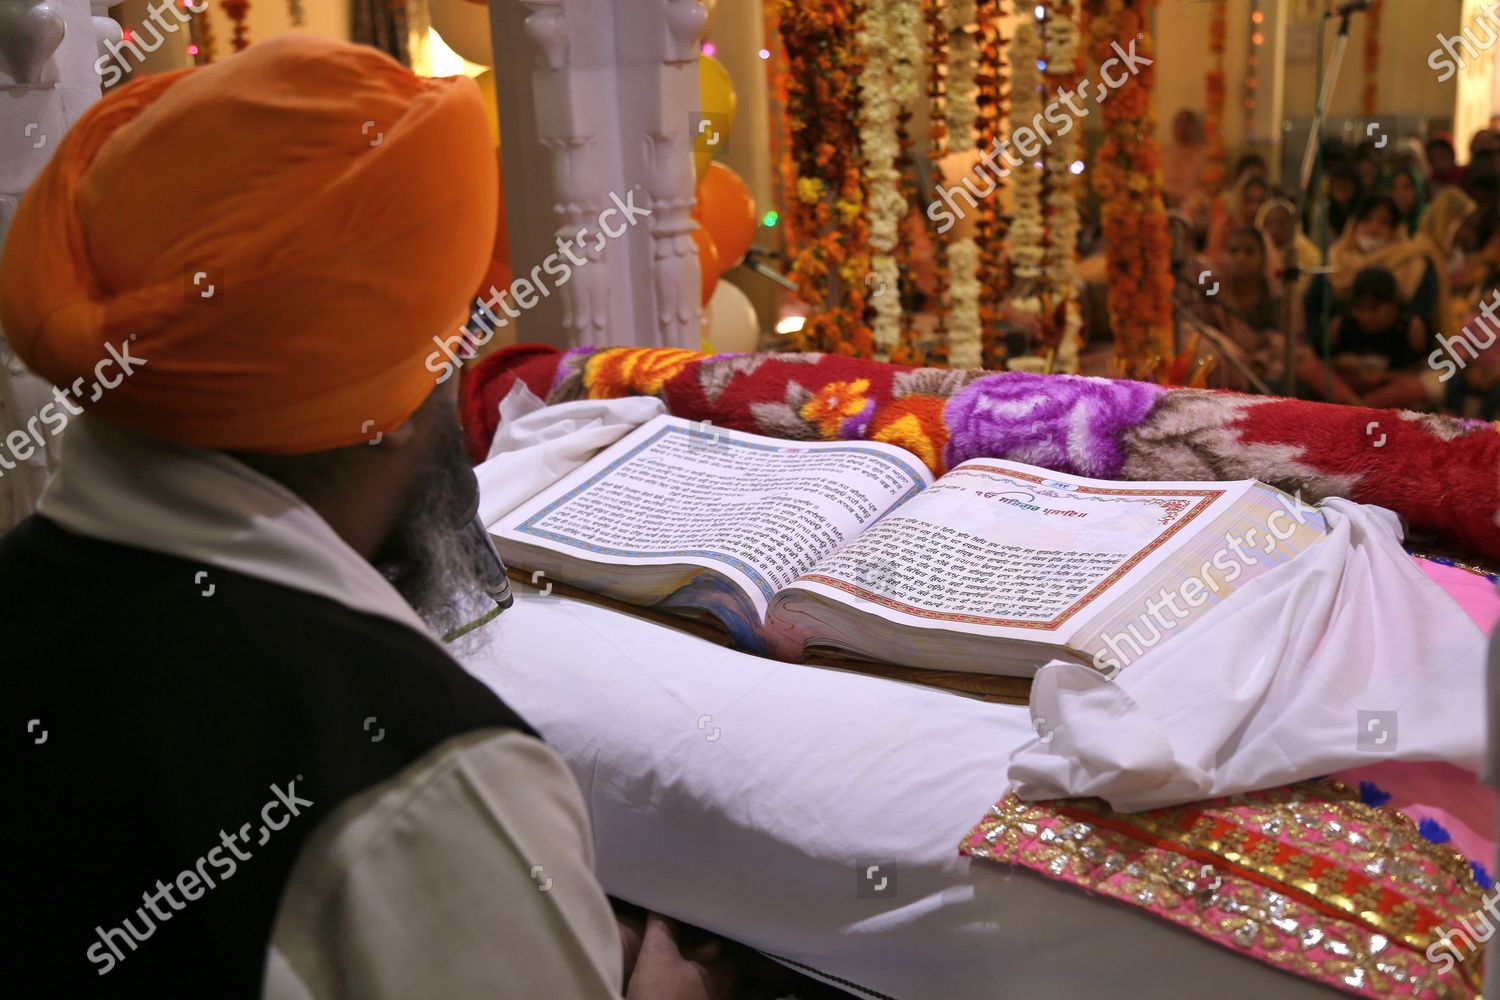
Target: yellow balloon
(486,83)
(716,97)
(464,27)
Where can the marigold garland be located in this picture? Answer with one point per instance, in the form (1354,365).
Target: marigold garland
(831,257)
(991,227)
(1370,97)
(1213,113)
(1127,178)
(935,13)
(1064,313)
(238,11)
(910,53)
(965,346)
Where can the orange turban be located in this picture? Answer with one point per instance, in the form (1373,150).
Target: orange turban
(277,238)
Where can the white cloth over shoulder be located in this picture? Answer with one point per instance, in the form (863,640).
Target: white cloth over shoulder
(537,444)
(1343,657)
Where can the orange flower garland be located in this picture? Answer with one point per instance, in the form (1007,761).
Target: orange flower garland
(934,12)
(990,228)
(1370,98)
(238,11)
(1127,178)
(827,207)
(1213,114)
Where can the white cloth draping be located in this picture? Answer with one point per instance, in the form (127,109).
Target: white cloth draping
(1346,656)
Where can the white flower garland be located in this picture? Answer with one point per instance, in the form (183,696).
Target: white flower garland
(881,146)
(961,112)
(1027,229)
(965,349)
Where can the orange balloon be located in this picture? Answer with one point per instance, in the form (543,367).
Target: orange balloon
(727,211)
(708,261)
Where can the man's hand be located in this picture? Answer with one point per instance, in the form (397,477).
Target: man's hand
(667,966)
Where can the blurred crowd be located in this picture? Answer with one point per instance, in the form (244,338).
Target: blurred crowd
(1401,310)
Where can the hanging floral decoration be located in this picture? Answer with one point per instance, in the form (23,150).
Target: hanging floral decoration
(1213,115)
(203,47)
(828,215)
(934,13)
(237,11)
(1062,310)
(883,88)
(1370,97)
(990,225)
(783,177)
(939,54)
(965,348)
(1127,178)
(908,56)
(1027,227)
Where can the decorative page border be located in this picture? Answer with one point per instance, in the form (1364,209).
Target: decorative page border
(1205,497)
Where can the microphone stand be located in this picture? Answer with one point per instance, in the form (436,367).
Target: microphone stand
(1310,160)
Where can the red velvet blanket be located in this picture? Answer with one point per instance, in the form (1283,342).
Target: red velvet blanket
(1440,474)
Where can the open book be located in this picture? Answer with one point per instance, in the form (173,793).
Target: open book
(852,548)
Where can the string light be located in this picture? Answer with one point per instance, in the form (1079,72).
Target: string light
(1252,71)
(764,53)
(770,219)
(709,48)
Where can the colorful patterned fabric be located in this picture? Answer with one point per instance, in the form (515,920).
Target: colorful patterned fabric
(1307,878)
(1441,475)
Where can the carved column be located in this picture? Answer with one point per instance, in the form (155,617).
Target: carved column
(595,98)
(669,170)
(47,80)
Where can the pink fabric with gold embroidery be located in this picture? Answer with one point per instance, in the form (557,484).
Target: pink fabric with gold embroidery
(1306,878)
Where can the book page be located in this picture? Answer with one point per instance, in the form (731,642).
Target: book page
(760,510)
(1011,550)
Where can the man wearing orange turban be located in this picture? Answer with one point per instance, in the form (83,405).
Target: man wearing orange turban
(249,767)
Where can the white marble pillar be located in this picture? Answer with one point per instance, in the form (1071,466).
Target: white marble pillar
(595,100)
(48,49)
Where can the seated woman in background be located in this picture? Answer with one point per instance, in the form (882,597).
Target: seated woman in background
(1410,196)
(1377,347)
(1246,311)
(1375,238)
(1277,218)
(1240,207)
(1438,236)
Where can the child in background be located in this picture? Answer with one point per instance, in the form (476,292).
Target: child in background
(1377,347)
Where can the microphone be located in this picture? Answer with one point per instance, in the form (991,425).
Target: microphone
(491,568)
(486,558)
